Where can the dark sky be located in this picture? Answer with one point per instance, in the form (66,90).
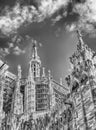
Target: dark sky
(57,45)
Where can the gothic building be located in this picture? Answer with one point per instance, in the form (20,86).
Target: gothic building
(82,84)
(23,102)
(41,94)
(4,89)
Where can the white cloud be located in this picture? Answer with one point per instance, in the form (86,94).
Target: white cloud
(71,27)
(87,15)
(17,16)
(18,51)
(14,18)
(86,21)
(4,52)
(7,51)
(49,7)
(56,19)
(11,45)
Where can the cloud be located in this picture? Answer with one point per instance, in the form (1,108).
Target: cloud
(70,27)
(58,18)
(11,50)
(7,51)
(87,15)
(18,51)
(85,11)
(49,7)
(15,17)
(4,52)
(11,45)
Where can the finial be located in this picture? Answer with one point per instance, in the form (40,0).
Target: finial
(49,74)
(61,81)
(34,43)
(19,71)
(43,72)
(19,67)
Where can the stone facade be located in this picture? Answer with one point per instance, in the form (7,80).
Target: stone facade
(82,83)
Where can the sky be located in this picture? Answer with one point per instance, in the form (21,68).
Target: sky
(53,24)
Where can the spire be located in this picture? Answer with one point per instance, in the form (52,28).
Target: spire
(43,72)
(79,35)
(34,48)
(35,52)
(80,45)
(35,61)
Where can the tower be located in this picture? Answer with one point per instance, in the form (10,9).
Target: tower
(82,87)
(35,61)
(18,97)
